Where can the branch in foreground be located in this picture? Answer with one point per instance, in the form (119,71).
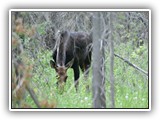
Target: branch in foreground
(131,64)
(31,92)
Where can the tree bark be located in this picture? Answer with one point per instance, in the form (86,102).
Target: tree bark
(111,62)
(98,80)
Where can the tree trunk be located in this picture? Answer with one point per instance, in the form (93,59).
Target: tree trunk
(98,80)
(111,62)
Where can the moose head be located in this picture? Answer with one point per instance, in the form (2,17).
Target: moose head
(61,73)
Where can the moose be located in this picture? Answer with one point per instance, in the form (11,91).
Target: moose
(72,50)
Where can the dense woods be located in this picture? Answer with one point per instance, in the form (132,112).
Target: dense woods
(118,76)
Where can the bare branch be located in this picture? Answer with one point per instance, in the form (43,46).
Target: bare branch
(32,94)
(131,64)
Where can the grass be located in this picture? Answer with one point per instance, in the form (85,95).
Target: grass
(131,86)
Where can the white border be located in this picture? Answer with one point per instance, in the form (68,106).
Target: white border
(114,10)
(10,39)
(150,44)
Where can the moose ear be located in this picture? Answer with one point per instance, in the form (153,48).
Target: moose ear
(65,35)
(70,63)
(53,64)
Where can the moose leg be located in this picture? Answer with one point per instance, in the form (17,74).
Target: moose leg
(86,73)
(76,76)
(85,69)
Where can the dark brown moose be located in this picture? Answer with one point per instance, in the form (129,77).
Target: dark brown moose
(73,50)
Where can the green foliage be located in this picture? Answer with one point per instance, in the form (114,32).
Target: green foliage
(40,28)
(131,86)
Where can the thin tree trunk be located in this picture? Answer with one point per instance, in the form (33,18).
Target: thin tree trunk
(98,80)
(111,62)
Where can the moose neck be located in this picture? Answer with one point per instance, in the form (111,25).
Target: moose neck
(61,51)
